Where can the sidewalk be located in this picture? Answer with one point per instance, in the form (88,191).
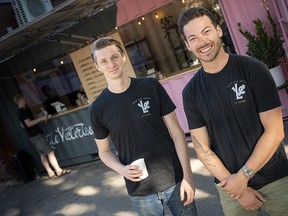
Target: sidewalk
(93,189)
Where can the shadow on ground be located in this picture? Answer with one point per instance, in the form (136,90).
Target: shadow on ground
(93,189)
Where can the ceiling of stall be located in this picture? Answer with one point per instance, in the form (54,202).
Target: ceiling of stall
(70,25)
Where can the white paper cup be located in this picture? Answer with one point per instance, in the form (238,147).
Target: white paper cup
(142,166)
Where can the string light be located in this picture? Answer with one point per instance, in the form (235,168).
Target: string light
(34,69)
(139,23)
(156,15)
(62,62)
(116,28)
(143,18)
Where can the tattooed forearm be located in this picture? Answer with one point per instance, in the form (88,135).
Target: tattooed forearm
(206,155)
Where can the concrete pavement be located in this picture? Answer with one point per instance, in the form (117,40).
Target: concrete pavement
(93,189)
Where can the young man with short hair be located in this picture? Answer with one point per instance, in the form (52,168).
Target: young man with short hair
(139,116)
(234,116)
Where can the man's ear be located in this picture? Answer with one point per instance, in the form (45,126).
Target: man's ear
(124,58)
(219,30)
(96,65)
(187,45)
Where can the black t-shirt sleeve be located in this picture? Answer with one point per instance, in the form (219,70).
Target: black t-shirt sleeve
(26,114)
(193,115)
(262,85)
(99,130)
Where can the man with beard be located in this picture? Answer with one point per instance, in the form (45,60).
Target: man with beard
(234,115)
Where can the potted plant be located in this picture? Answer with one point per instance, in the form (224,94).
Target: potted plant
(266,48)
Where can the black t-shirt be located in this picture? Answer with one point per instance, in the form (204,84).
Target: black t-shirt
(47,103)
(134,121)
(25,113)
(229,103)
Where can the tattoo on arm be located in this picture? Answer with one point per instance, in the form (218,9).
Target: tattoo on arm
(207,155)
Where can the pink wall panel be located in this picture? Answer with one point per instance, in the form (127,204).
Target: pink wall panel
(245,11)
(242,11)
(174,88)
(127,10)
(149,5)
(281,13)
(284,101)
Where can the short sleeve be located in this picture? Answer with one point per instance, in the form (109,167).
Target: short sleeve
(194,117)
(99,130)
(263,86)
(27,114)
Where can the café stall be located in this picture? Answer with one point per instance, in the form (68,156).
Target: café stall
(154,49)
(70,133)
(152,44)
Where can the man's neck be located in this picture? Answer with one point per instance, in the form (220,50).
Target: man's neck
(119,85)
(217,64)
(21,106)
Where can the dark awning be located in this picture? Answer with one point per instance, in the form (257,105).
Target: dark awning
(67,27)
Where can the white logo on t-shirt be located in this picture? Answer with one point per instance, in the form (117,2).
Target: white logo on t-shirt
(145,106)
(240,91)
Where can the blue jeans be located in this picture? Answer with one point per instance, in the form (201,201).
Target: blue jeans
(153,204)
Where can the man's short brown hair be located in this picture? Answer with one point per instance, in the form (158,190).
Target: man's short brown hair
(103,42)
(18,97)
(192,13)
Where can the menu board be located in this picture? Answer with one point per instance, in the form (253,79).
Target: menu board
(93,81)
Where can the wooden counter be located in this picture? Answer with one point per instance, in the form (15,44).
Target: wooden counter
(69,110)
(183,72)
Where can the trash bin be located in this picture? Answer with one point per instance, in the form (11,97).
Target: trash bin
(24,165)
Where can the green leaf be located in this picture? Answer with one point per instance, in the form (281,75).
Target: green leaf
(266,48)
